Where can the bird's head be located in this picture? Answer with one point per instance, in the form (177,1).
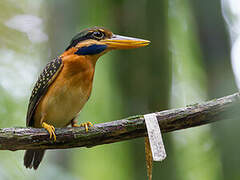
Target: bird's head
(97,41)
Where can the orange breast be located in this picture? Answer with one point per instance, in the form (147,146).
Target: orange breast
(69,92)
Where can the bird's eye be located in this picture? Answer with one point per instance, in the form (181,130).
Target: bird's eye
(98,35)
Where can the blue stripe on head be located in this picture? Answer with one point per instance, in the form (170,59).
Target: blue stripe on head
(91,50)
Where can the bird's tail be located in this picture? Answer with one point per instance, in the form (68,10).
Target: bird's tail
(33,158)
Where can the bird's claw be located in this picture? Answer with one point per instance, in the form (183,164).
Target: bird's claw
(86,125)
(51,130)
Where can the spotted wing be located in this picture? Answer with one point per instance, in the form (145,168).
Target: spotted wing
(47,76)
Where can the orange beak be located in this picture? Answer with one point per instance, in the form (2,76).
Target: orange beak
(123,42)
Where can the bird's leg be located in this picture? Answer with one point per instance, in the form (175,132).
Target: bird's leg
(74,122)
(86,124)
(49,128)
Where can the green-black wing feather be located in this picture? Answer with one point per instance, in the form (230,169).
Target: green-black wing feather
(47,76)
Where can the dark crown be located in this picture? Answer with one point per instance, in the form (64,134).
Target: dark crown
(96,33)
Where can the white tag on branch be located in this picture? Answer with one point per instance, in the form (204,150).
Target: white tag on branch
(155,137)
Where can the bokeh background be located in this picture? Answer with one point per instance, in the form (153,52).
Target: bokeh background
(188,61)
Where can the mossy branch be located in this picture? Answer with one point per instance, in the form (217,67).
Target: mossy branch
(133,127)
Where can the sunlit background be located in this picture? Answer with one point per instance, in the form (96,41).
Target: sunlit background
(194,44)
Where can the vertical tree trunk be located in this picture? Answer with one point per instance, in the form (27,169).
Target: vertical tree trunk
(148,69)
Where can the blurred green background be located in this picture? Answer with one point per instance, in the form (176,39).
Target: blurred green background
(188,61)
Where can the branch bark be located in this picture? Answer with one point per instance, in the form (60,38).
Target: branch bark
(133,127)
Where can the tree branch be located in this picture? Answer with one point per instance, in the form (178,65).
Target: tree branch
(120,130)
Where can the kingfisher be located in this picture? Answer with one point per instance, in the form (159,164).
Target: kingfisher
(65,84)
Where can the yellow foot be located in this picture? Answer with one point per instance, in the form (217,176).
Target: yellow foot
(86,125)
(50,129)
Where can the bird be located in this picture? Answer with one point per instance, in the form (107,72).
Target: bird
(65,84)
